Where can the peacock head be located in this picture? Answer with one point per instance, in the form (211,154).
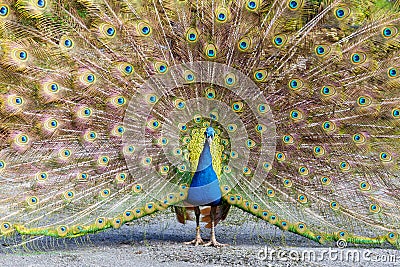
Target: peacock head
(209,133)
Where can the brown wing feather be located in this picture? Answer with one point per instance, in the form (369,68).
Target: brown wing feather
(182,214)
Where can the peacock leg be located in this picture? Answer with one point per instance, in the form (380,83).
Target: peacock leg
(213,241)
(197,241)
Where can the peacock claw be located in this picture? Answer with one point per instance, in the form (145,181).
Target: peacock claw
(214,243)
(197,241)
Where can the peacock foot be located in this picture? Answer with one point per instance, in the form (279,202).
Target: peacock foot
(197,241)
(214,243)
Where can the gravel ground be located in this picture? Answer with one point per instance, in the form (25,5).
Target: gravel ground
(157,241)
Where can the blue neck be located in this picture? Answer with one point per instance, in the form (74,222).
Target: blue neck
(204,189)
(205,159)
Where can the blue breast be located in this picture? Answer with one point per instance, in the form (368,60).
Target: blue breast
(204,189)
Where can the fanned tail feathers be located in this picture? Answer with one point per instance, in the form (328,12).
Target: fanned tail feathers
(103,107)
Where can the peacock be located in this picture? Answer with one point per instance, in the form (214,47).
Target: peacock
(286,109)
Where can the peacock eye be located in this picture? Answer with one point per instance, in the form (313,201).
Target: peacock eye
(326,180)
(128,69)
(210,94)
(322,50)
(51,124)
(393,72)
(280,156)
(110,31)
(68,43)
(41,3)
(279,40)
(237,106)
(244,44)
(303,171)
(319,151)
(260,75)
(3,10)
(230,79)
(270,192)
(389,32)
(374,208)
(125,69)
(358,58)
(211,51)
(342,12)
(344,166)
(32,201)
(189,76)
(87,112)
(328,90)
(2,164)
(22,55)
(252,5)
(121,100)
(54,87)
(144,29)
(191,35)
(396,113)
(90,78)
(334,205)
(385,157)
(16,100)
(260,128)
(103,161)
(296,84)
(296,115)
(222,15)
(161,67)
(294,4)
(302,199)
(364,101)
(21,140)
(328,126)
